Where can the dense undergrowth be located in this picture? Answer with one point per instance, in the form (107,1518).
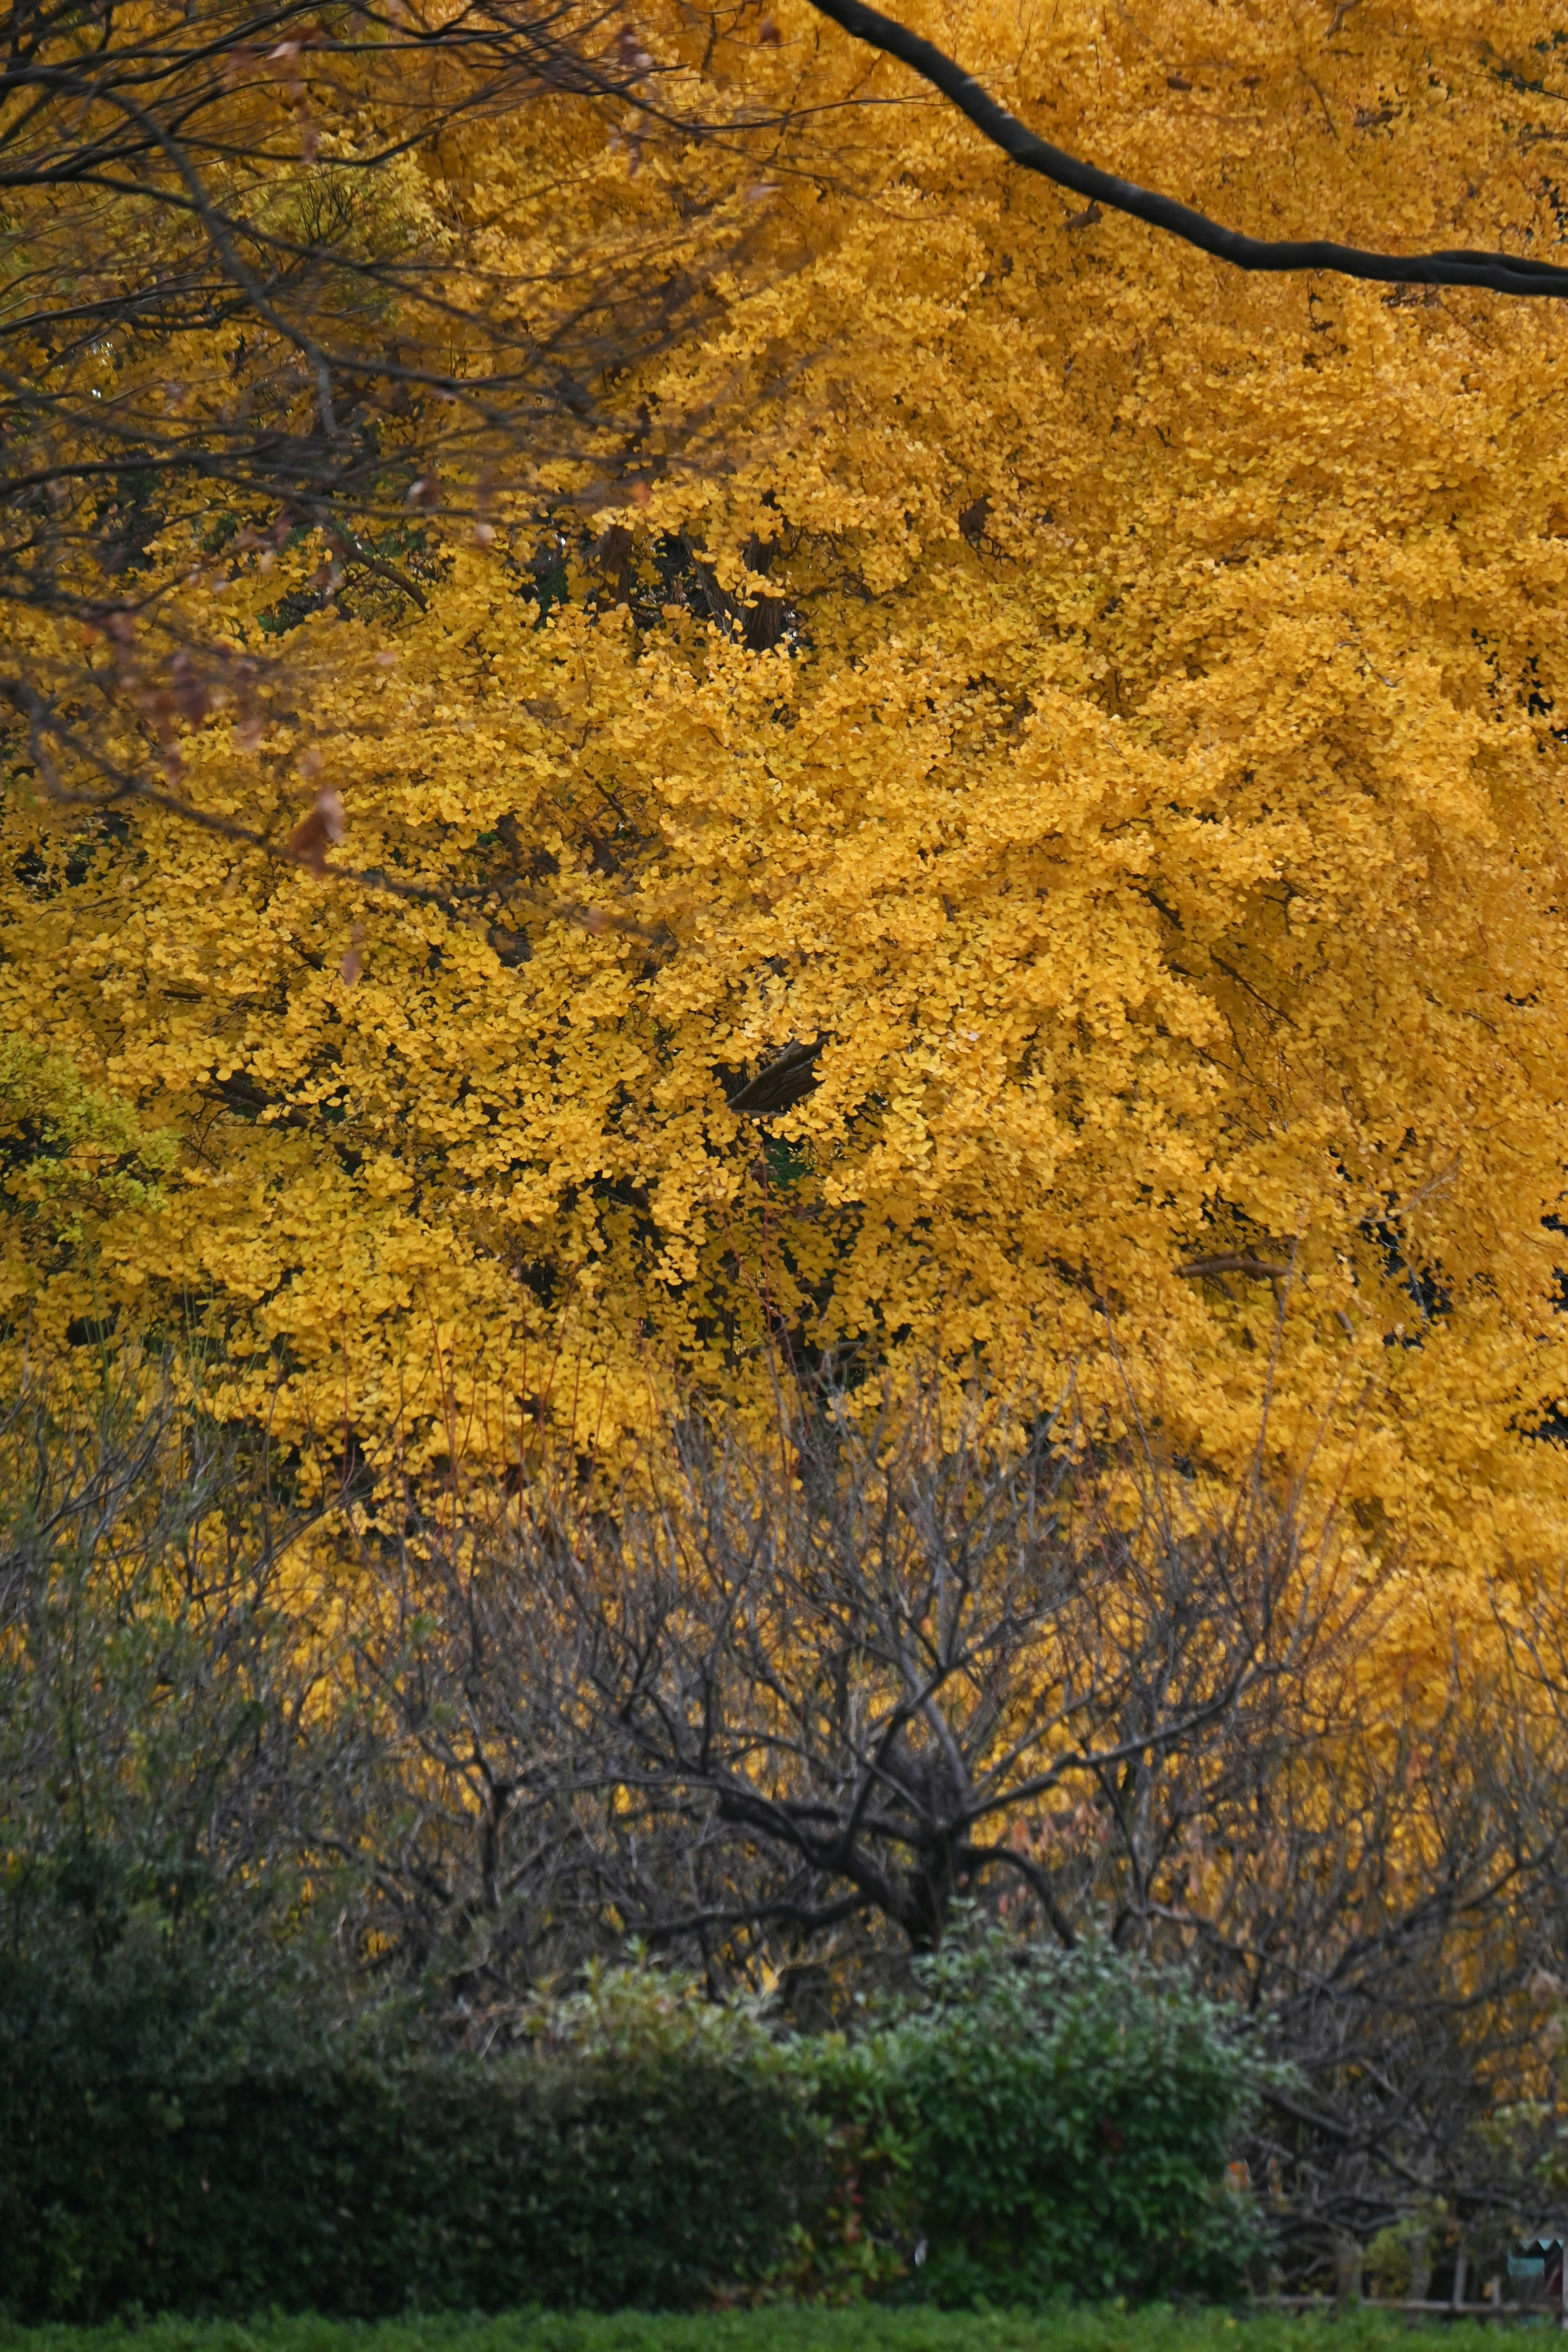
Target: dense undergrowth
(1027,2122)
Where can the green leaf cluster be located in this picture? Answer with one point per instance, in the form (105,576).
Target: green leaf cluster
(69,1151)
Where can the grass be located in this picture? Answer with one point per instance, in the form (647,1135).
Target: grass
(784,2328)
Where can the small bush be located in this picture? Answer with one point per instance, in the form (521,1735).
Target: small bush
(1037,2121)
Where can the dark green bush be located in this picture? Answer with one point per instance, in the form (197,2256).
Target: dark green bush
(192,2163)
(1035,2121)
(171,2138)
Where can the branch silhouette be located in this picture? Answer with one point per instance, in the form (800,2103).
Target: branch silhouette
(1500,273)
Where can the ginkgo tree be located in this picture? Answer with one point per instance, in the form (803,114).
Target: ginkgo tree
(1085,720)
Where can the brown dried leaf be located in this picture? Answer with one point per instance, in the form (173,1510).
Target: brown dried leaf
(313,835)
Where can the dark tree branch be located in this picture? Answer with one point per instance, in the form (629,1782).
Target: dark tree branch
(1500,273)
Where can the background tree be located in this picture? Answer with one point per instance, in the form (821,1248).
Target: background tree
(1143,843)
(837,1688)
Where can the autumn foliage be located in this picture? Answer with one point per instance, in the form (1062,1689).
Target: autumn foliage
(1098,712)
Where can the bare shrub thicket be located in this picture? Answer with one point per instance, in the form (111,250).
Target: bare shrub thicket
(785,1714)
(801,1698)
(172,1740)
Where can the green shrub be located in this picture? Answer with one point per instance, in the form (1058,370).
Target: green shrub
(201,2164)
(172,2138)
(1037,2121)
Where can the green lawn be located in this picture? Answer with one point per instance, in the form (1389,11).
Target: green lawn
(795,2328)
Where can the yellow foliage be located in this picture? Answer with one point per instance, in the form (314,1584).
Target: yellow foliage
(1153,804)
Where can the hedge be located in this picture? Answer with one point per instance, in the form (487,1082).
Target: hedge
(1027,2122)
(221,2161)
